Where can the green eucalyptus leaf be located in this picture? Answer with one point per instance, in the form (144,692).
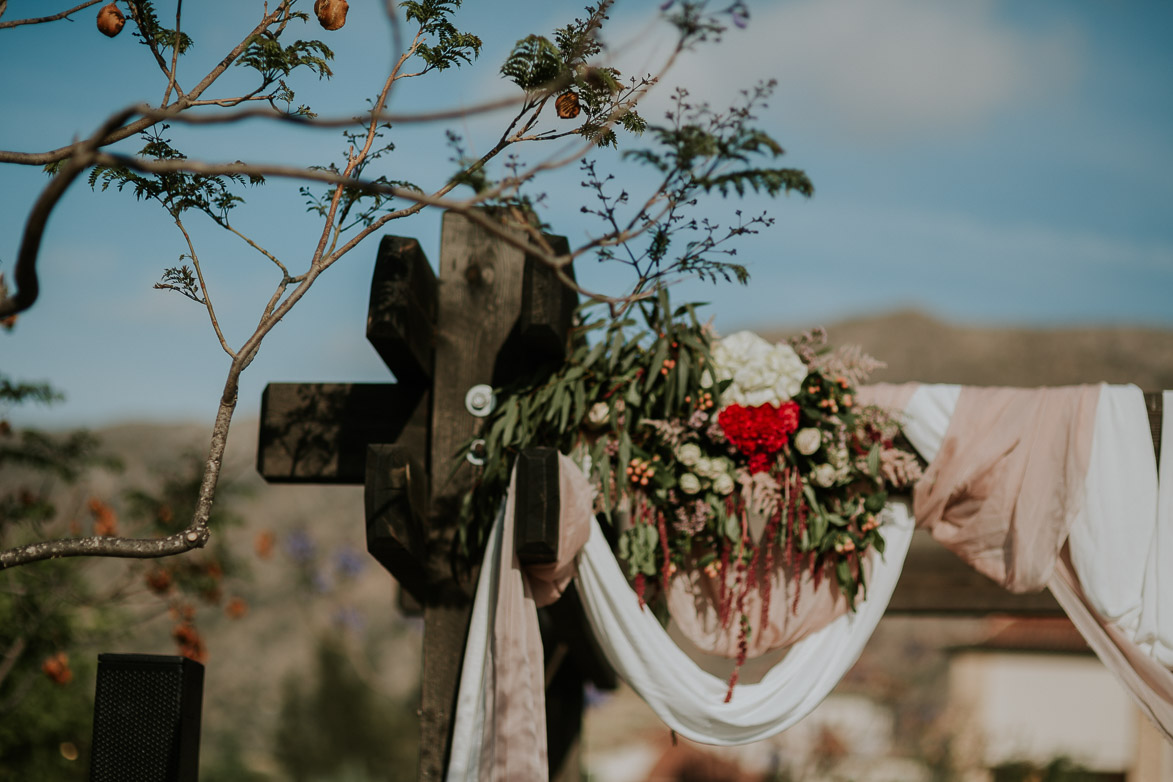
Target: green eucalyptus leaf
(874,460)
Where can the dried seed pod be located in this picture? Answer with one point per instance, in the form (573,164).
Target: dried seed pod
(110,20)
(331,13)
(567,105)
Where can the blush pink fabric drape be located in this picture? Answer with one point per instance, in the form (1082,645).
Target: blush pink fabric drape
(1007,481)
(514,739)
(1002,494)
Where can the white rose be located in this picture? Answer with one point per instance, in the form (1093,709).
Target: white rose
(703,467)
(689,483)
(723,483)
(688,454)
(824,475)
(808,440)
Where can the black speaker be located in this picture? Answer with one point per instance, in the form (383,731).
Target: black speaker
(147,719)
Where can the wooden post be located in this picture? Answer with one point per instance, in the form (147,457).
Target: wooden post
(492,314)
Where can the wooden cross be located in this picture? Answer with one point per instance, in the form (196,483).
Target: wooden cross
(493,314)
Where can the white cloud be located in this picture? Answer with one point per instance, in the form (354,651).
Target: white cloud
(896,67)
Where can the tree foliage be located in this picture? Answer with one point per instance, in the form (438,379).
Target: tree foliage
(569,91)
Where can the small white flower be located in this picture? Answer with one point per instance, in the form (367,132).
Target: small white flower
(723,483)
(838,457)
(688,454)
(824,475)
(703,467)
(808,440)
(689,483)
(599,413)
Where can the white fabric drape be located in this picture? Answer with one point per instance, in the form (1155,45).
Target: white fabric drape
(1122,544)
(689,699)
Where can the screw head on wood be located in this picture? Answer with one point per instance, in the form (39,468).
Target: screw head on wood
(480,400)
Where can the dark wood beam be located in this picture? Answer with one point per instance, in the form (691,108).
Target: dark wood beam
(547,305)
(936,581)
(537,506)
(396,500)
(319,432)
(401,317)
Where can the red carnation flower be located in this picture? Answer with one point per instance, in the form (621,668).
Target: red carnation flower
(759,432)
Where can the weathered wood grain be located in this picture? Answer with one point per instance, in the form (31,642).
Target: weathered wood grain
(478,302)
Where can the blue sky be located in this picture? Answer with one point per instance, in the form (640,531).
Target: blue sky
(988,162)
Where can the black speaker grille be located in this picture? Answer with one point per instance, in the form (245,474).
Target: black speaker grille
(146,719)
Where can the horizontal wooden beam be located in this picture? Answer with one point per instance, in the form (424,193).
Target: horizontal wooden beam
(936,581)
(319,432)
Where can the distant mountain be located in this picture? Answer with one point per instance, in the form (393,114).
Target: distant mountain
(916,346)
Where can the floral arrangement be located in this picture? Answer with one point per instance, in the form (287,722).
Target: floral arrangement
(723,454)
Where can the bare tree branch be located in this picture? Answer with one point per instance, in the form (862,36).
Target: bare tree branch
(172,73)
(24,274)
(133,548)
(148,116)
(42,19)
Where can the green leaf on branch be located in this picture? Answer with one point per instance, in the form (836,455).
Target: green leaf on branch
(267,56)
(151,33)
(452,48)
(534,63)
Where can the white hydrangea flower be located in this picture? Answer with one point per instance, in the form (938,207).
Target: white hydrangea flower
(761,373)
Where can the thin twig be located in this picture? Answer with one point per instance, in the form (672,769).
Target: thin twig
(173,75)
(228,227)
(195,261)
(149,40)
